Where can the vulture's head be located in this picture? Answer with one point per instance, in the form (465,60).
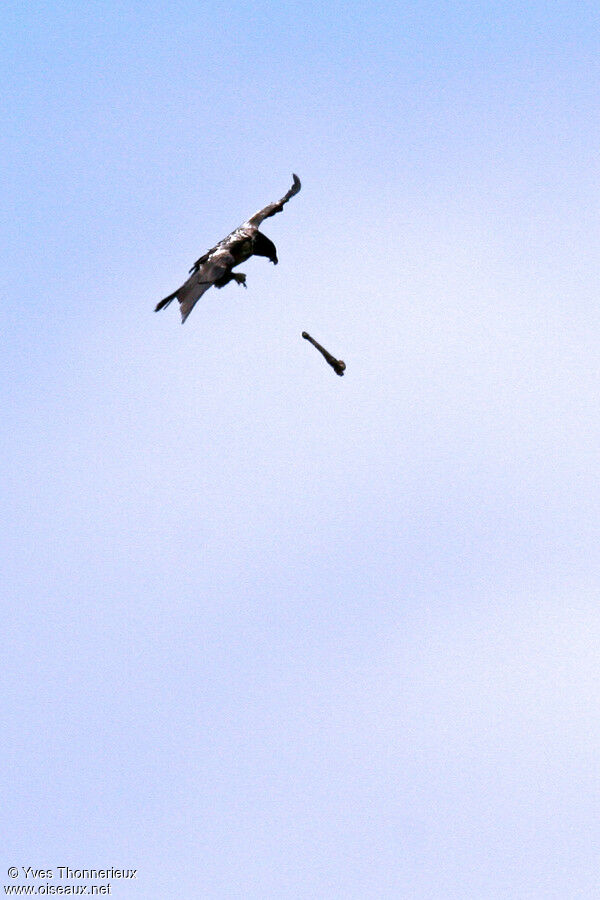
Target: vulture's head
(263,246)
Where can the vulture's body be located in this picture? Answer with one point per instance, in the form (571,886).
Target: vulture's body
(216,265)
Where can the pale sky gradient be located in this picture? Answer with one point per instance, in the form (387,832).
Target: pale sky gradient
(267,632)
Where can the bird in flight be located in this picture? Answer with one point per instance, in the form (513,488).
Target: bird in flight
(338,365)
(215,266)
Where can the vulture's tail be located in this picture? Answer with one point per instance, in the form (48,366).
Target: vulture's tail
(188,295)
(166,301)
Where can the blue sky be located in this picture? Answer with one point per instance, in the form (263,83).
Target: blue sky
(269,632)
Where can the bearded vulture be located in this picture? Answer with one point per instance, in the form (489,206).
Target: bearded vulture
(215,267)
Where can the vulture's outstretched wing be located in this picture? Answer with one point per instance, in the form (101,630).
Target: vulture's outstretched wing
(273,208)
(242,233)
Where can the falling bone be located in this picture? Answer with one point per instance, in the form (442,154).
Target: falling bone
(338,365)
